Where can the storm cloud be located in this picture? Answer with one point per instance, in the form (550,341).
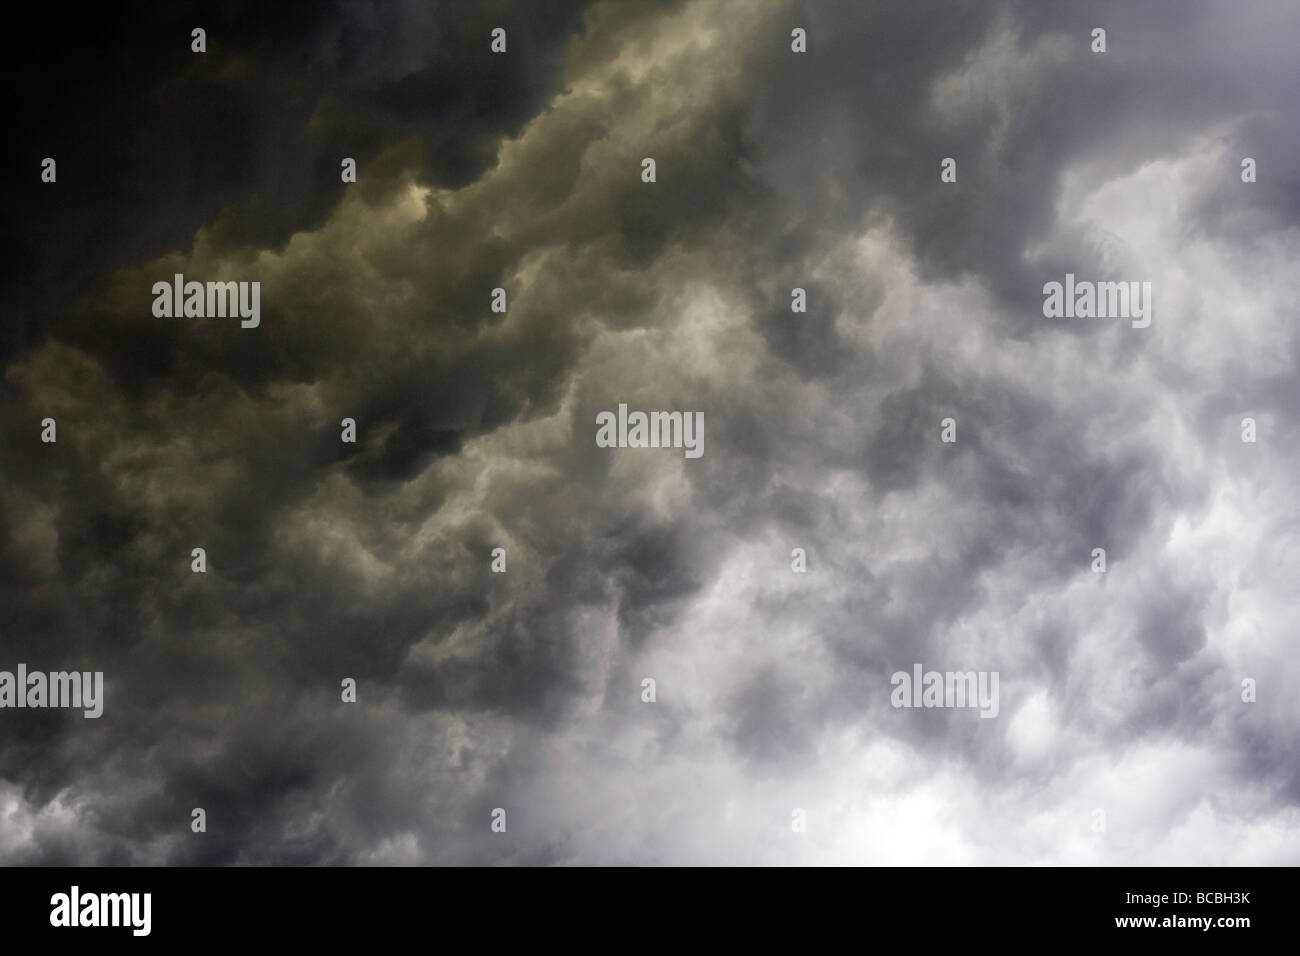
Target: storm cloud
(1121,692)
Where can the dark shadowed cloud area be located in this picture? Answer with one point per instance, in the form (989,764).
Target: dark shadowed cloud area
(1121,736)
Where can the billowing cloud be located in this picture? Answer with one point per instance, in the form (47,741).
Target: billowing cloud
(1120,694)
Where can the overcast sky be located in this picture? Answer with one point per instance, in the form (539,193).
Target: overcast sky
(1120,692)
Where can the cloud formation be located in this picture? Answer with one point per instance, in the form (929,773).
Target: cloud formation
(1120,692)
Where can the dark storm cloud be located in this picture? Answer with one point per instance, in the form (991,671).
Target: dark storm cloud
(153,141)
(521,690)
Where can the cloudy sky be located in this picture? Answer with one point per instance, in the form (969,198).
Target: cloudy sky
(1122,736)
